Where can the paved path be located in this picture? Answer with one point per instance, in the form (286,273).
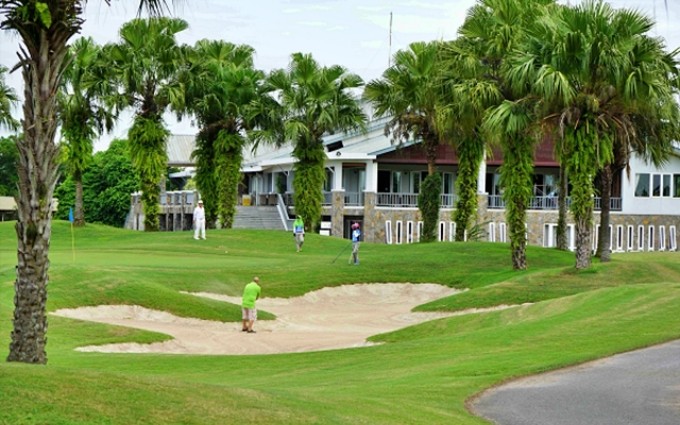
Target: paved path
(637,388)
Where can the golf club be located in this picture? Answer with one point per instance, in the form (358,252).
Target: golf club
(341,251)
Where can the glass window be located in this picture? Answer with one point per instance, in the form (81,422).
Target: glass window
(384,181)
(656,184)
(328,181)
(666,189)
(676,185)
(642,185)
(396,181)
(447,183)
(416,182)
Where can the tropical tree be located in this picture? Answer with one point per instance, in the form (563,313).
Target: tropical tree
(82,112)
(221,86)
(108,180)
(607,86)
(494,28)
(411,92)
(467,96)
(146,64)
(7,99)
(44,30)
(314,101)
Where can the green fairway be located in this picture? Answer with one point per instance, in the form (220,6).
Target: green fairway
(423,374)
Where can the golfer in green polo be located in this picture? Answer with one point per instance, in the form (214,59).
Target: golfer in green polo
(251,292)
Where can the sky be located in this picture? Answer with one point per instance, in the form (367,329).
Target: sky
(357,34)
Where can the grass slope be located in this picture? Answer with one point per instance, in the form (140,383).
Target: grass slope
(422,374)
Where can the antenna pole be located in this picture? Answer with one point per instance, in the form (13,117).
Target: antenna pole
(389,59)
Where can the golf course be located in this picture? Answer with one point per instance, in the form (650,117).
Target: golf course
(507,324)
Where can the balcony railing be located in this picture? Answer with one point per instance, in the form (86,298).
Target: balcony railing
(354,199)
(550,203)
(397,200)
(394,200)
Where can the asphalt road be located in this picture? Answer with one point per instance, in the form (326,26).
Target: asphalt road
(637,388)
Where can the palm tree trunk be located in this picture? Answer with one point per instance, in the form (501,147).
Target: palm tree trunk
(470,154)
(583,257)
(517,181)
(37,172)
(562,242)
(604,249)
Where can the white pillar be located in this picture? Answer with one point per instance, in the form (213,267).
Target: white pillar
(371,176)
(337,177)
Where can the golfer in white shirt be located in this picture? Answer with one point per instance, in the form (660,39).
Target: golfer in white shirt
(199,221)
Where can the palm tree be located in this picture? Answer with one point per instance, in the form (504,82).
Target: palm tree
(221,85)
(315,101)
(7,98)
(494,28)
(146,64)
(411,92)
(82,112)
(648,126)
(467,95)
(44,30)
(600,79)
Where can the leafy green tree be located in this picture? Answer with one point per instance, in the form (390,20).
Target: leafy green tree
(44,30)
(315,101)
(411,92)
(146,64)
(221,85)
(9,156)
(109,180)
(83,113)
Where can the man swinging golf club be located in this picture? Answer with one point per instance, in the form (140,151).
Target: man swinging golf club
(356,238)
(251,293)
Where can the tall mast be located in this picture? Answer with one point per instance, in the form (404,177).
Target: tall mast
(389,59)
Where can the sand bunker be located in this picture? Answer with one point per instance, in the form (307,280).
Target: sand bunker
(330,318)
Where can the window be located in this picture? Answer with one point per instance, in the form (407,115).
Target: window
(656,185)
(396,181)
(661,185)
(676,185)
(442,232)
(417,178)
(409,232)
(384,181)
(493,183)
(399,231)
(447,183)
(642,185)
(328,182)
(388,232)
(666,186)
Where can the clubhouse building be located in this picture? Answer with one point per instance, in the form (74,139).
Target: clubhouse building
(372,181)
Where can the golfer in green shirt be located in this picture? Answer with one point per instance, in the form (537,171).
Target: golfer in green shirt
(249,313)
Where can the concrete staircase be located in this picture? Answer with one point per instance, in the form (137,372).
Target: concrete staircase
(257,217)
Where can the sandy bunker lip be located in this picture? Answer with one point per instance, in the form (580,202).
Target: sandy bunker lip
(329,318)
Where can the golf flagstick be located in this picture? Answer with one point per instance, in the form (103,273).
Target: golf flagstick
(73,239)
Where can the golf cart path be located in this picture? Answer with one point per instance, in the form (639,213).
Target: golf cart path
(329,318)
(640,387)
